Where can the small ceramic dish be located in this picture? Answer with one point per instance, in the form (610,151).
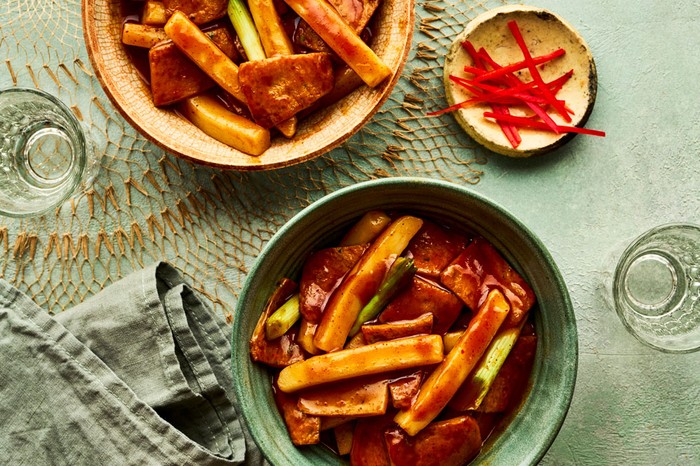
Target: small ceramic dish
(543,32)
(530,429)
(317,134)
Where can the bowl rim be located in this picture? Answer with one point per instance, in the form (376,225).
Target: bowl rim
(555,413)
(384,89)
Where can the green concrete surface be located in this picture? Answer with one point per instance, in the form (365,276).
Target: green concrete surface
(631,406)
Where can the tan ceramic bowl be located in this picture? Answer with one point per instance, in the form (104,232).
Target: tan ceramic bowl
(317,134)
(543,32)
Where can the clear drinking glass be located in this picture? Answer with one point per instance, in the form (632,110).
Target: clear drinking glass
(45,157)
(656,288)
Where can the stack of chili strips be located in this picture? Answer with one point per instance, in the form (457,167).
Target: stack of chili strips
(501,87)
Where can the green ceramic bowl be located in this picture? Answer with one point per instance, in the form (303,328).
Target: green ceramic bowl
(526,436)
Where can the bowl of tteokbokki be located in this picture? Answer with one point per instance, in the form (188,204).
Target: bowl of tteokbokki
(248,84)
(404,321)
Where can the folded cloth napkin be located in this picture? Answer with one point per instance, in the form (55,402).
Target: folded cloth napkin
(137,374)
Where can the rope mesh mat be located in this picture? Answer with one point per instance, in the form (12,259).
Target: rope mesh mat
(148,205)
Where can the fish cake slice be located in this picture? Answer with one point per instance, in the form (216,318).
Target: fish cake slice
(277,88)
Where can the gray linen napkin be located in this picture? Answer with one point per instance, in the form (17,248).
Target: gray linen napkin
(137,374)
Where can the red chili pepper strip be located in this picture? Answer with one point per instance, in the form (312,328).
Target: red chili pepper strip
(528,122)
(519,65)
(474,101)
(485,93)
(546,119)
(499,95)
(471,50)
(556,84)
(515,30)
(459,105)
(485,99)
(465,83)
(518,92)
(514,81)
(452,108)
(510,131)
(508,78)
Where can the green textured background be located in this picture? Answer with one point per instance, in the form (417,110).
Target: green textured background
(586,201)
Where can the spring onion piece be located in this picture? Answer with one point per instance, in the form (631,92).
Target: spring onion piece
(283,318)
(400,273)
(476,387)
(245,28)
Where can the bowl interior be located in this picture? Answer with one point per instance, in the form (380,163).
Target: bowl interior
(317,134)
(533,426)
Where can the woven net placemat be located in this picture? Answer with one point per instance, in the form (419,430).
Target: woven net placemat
(147,205)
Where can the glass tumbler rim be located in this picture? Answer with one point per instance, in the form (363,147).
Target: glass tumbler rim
(628,257)
(82,148)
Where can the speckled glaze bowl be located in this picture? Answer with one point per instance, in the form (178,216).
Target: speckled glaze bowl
(530,430)
(544,31)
